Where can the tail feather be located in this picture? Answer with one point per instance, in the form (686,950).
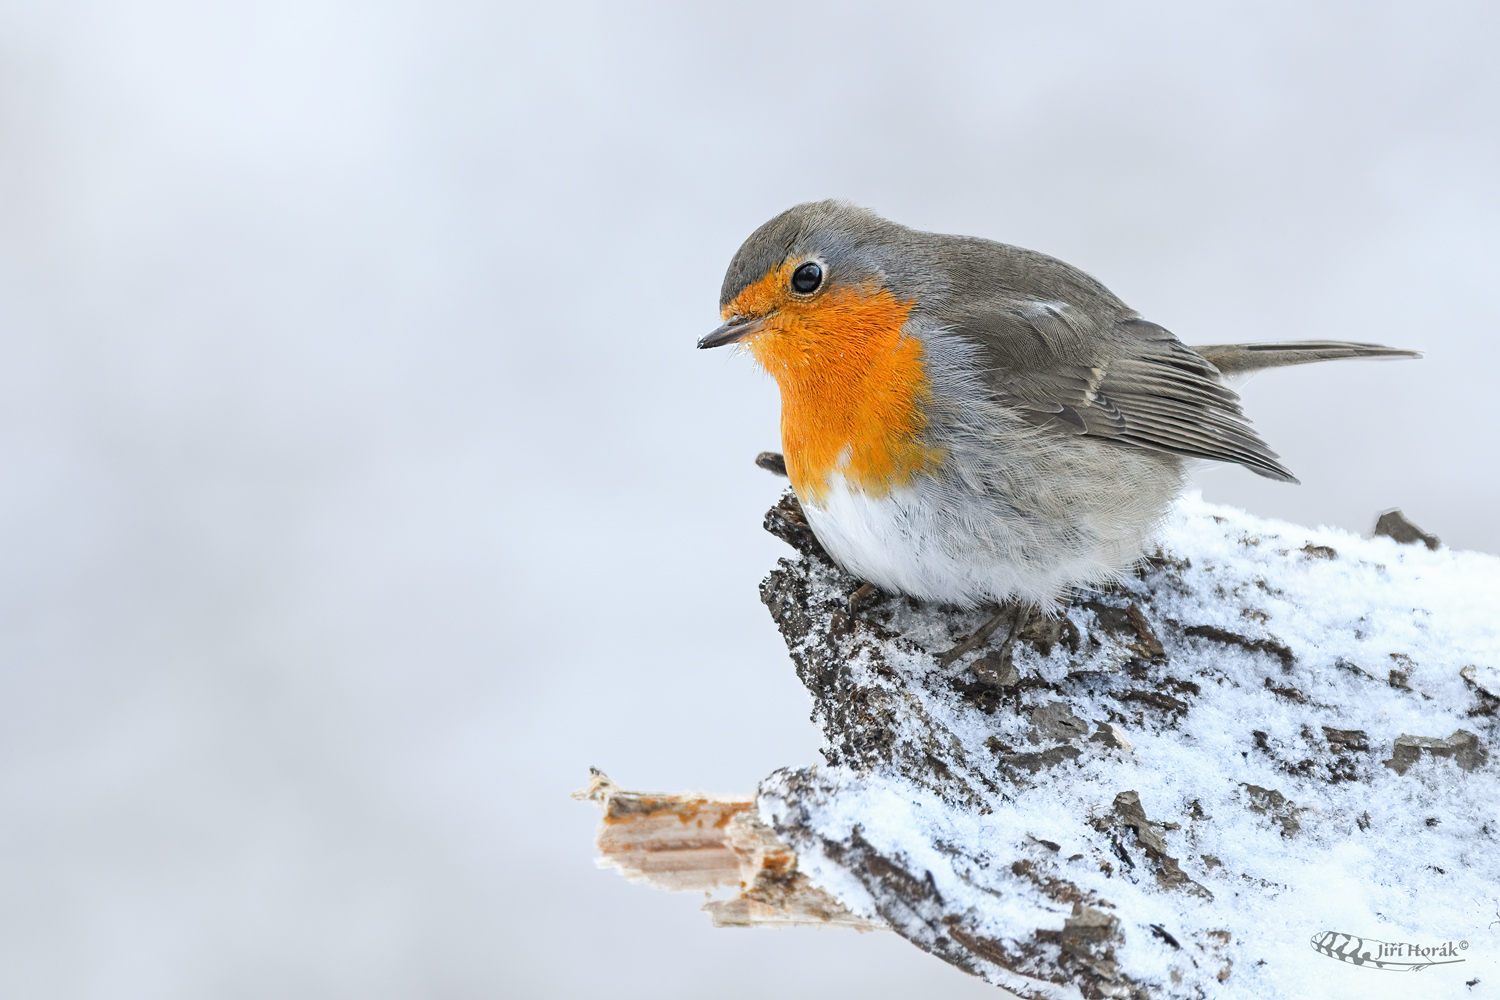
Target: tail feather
(1241,359)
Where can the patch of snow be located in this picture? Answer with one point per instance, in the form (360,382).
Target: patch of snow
(1274,770)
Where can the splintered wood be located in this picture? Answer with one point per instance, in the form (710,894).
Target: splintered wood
(1181,785)
(699,843)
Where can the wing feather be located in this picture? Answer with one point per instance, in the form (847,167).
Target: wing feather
(1123,380)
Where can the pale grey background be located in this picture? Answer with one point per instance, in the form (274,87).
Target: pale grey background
(360,486)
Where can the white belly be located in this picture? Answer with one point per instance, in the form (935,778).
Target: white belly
(938,540)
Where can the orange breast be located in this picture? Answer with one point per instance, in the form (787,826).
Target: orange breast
(852,385)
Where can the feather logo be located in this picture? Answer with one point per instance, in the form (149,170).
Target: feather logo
(1393,956)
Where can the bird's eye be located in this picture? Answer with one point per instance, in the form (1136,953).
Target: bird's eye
(807,278)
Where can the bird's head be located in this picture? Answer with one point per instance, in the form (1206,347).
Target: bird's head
(815,275)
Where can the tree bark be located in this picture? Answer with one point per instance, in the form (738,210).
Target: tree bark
(1207,780)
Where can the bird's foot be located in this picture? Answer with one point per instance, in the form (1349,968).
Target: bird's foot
(773,462)
(1012,613)
(867,593)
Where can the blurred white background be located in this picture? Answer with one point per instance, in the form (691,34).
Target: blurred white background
(360,485)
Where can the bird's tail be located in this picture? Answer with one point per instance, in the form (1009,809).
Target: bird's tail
(1243,359)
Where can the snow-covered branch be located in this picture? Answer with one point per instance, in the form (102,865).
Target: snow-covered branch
(1265,760)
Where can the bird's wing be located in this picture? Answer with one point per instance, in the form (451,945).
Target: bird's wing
(1123,380)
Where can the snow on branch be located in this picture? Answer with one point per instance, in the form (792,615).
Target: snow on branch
(1266,760)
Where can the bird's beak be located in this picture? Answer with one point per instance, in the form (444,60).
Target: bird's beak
(736,329)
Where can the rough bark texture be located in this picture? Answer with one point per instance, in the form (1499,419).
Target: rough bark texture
(1263,762)
(1041,733)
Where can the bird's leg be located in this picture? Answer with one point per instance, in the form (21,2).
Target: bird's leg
(1014,612)
(866,594)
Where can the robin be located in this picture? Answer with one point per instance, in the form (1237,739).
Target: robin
(974,423)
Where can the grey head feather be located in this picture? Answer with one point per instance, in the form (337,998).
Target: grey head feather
(855,244)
